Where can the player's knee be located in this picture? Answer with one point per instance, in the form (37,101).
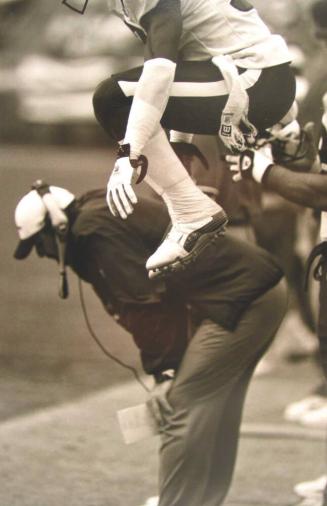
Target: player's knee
(103,98)
(109,107)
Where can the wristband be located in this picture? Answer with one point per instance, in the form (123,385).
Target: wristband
(141,162)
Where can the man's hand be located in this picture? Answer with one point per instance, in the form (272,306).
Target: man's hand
(296,150)
(120,194)
(158,402)
(250,164)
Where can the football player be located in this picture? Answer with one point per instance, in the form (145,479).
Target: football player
(210,67)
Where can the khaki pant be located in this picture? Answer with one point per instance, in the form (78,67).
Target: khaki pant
(200,438)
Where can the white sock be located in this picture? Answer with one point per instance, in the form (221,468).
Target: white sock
(168,177)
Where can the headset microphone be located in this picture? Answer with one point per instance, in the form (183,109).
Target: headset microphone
(59,222)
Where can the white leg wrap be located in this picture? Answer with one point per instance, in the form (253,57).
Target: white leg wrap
(168,177)
(149,103)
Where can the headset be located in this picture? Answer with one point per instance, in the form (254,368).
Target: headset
(60,224)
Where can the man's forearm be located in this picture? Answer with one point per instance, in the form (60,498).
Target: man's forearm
(305,189)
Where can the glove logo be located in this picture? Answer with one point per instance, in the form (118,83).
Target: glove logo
(226,130)
(247,162)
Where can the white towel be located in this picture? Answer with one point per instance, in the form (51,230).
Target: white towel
(236,108)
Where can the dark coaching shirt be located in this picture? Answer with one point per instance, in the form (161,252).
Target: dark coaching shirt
(110,253)
(117,249)
(227,277)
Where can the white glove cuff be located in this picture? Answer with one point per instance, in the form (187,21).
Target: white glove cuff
(261,164)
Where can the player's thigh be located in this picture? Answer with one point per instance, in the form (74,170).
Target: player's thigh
(197,96)
(271,97)
(198,115)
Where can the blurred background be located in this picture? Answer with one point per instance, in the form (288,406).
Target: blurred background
(51,60)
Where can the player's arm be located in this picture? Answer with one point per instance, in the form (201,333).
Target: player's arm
(306,189)
(163,26)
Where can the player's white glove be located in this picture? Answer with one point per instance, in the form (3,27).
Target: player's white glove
(250,164)
(120,194)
